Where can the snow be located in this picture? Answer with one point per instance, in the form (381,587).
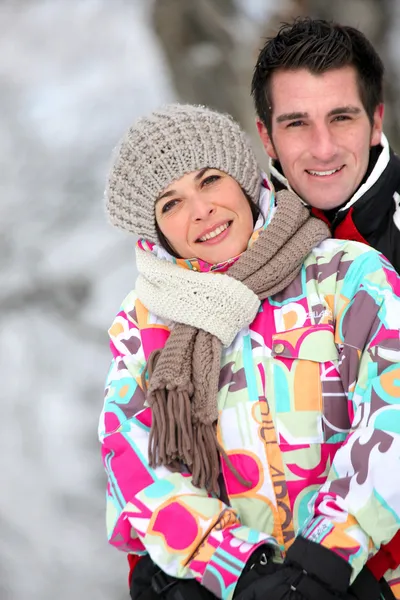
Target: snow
(74,75)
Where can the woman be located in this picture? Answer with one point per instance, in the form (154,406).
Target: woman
(251,416)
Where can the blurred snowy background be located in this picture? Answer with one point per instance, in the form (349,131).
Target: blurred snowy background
(74,74)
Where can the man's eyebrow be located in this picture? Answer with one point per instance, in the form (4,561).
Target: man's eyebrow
(340,110)
(198,176)
(291,116)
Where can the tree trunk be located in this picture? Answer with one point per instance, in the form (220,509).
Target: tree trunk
(209,47)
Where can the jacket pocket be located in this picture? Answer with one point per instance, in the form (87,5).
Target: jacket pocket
(310,403)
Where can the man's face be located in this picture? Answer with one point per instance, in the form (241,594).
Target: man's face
(321,133)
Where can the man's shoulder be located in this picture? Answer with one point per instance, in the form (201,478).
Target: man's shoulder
(394,159)
(386,168)
(342,249)
(345,267)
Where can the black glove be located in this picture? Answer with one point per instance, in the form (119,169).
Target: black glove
(259,564)
(141,588)
(150,583)
(172,588)
(366,587)
(310,572)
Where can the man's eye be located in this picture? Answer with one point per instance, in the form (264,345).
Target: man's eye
(210,179)
(342,118)
(168,205)
(296,124)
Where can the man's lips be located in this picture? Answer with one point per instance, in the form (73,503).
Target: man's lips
(323,173)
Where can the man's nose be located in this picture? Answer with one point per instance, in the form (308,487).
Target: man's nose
(323,144)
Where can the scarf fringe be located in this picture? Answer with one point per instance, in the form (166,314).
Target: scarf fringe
(171,437)
(174,441)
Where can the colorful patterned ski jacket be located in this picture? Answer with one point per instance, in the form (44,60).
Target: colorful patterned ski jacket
(309,412)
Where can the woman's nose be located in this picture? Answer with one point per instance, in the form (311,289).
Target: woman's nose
(201,208)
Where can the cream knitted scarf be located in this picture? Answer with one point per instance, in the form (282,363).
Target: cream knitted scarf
(209,310)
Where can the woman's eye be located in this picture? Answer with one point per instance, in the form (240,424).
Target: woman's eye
(210,179)
(168,205)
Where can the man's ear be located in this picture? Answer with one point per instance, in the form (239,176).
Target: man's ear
(377,126)
(265,138)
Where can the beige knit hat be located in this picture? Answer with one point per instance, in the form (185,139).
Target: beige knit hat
(164,146)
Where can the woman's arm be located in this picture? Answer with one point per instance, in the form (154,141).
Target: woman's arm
(187,533)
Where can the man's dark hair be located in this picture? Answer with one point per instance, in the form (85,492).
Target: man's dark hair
(319,46)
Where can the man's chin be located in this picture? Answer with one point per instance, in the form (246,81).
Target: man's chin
(322,204)
(319,199)
(325,207)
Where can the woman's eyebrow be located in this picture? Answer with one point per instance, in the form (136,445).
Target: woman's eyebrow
(198,176)
(201,173)
(166,195)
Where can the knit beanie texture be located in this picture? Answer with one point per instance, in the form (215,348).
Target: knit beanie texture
(162,147)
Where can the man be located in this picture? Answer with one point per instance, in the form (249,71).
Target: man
(317,88)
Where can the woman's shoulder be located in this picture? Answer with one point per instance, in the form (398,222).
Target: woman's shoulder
(134,311)
(134,323)
(127,309)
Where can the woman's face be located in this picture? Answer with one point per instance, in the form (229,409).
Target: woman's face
(205,215)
